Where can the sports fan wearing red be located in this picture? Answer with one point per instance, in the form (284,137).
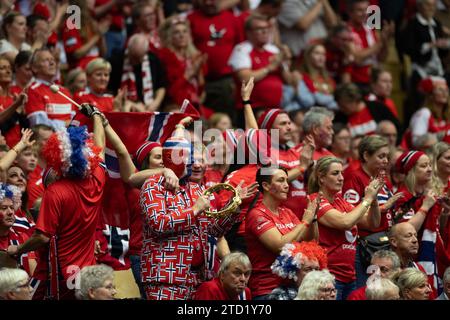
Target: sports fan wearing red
(231,284)
(174,258)
(216,32)
(66,241)
(367,48)
(9,236)
(44,106)
(11,124)
(269,226)
(338,220)
(287,157)
(257,58)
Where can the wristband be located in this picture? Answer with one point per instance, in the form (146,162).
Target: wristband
(246,102)
(15,150)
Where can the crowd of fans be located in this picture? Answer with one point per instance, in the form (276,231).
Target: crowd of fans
(350,202)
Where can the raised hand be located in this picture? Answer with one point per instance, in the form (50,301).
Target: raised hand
(247,88)
(392,200)
(306,157)
(26,137)
(88,109)
(430,199)
(373,188)
(247,191)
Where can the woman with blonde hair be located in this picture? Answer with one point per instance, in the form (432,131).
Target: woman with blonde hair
(418,197)
(434,116)
(440,163)
(413,284)
(183,62)
(317,285)
(339,220)
(96,283)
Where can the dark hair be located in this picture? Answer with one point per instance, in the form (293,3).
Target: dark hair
(32,19)
(375,74)
(338,127)
(8,20)
(273,3)
(348,91)
(22,58)
(260,177)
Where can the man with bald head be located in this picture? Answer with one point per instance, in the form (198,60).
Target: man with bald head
(403,241)
(387,129)
(142,75)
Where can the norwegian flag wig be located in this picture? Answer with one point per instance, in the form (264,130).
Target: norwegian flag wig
(71,153)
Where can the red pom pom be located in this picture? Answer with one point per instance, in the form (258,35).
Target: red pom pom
(52,153)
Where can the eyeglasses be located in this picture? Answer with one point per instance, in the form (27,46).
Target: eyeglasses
(109,287)
(328,290)
(25,285)
(261,29)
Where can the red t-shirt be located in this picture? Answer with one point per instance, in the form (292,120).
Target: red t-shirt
(213,290)
(70,210)
(268,91)
(354,187)
(248,174)
(259,220)
(72,42)
(361,123)
(13,135)
(104,102)
(363,38)
(216,36)
(318,153)
(35,187)
(358,294)
(178,87)
(42,100)
(339,244)
(296,200)
(16,238)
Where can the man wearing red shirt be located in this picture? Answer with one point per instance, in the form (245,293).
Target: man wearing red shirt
(368,49)
(216,32)
(65,230)
(261,60)
(318,122)
(44,106)
(231,284)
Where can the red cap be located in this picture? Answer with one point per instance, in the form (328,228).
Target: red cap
(144,150)
(407,161)
(267,119)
